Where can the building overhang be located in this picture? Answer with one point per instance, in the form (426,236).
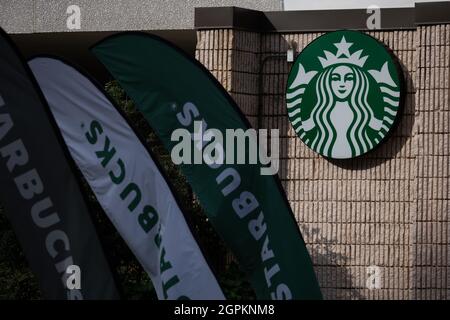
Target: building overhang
(320,20)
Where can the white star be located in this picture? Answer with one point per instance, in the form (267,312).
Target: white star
(343,47)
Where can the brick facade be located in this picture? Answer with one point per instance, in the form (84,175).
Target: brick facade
(389,208)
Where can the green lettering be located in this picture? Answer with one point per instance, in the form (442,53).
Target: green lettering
(169,284)
(148,218)
(163,264)
(106,154)
(119,178)
(132,187)
(158,239)
(95,130)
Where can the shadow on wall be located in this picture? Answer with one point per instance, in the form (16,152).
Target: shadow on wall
(335,279)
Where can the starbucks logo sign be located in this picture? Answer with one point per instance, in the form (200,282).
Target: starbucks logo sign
(343,94)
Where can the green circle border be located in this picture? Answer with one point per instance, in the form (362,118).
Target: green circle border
(402,87)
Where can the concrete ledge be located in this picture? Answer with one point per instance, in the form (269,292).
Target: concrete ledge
(320,20)
(432,13)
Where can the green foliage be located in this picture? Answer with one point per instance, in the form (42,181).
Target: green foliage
(17,282)
(234,284)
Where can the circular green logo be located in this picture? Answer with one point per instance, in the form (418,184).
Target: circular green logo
(343,94)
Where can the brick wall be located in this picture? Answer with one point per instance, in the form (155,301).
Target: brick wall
(431,258)
(388,208)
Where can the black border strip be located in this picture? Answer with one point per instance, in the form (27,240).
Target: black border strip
(408,18)
(233,105)
(100,88)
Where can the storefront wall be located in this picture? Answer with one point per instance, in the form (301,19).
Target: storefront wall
(383,214)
